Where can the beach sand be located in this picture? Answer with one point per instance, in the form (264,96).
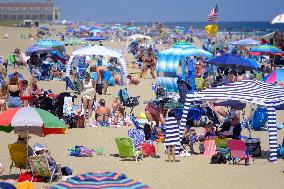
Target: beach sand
(191,172)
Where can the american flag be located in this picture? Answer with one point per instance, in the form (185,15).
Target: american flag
(213,15)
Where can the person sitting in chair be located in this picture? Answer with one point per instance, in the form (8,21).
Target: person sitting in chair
(232,129)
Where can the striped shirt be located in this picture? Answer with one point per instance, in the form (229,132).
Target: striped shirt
(172,131)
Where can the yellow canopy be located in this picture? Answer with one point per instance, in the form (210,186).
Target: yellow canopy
(211,29)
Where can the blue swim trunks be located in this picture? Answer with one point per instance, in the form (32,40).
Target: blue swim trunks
(94,75)
(107,75)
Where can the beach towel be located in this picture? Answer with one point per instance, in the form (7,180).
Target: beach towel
(137,136)
(210,147)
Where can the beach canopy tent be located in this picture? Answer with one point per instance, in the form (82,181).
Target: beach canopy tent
(235,61)
(170,59)
(269,49)
(246,42)
(44,28)
(95,38)
(51,43)
(279,19)
(101,51)
(248,91)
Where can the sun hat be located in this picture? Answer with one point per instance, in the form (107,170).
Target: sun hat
(38,147)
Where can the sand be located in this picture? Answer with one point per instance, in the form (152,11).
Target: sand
(191,172)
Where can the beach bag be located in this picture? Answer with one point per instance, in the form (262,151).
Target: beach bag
(253,147)
(148,149)
(218,159)
(99,88)
(66,171)
(84,151)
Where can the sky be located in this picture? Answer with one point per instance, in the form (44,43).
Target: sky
(167,10)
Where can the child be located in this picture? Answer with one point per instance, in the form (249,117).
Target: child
(133,80)
(25,92)
(172,134)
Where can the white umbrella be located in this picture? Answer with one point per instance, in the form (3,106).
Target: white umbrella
(278,19)
(139,36)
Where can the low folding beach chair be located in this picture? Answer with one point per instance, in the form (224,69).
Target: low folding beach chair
(126,100)
(39,166)
(238,151)
(222,147)
(126,148)
(18,153)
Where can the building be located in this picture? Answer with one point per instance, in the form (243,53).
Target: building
(36,11)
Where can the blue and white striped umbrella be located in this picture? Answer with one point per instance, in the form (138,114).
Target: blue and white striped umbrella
(249,91)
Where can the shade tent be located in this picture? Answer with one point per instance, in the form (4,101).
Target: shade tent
(246,42)
(249,91)
(266,49)
(102,51)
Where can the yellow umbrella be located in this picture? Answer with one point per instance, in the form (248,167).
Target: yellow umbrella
(212,29)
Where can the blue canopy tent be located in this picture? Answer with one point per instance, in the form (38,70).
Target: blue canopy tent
(95,38)
(170,59)
(51,43)
(38,49)
(232,60)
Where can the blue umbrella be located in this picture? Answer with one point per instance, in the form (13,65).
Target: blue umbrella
(83,28)
(95,30)
(95,38)
(38,49)
(70,30)
(233,60)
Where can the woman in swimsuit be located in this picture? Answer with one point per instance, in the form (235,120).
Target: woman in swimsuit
(14,99)
(149,63)
(102,113)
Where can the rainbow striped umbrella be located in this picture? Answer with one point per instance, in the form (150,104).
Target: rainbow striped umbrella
(266,49)
(275,76)
(32,120)
(100,180)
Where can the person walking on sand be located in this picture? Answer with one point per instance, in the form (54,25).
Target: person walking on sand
(171,135)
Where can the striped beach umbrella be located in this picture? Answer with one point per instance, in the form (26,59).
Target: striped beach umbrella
(275,76)
(32,120)
(100,180)
(248,91)
(266,49)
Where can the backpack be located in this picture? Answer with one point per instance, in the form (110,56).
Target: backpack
(218,159)
(123,95)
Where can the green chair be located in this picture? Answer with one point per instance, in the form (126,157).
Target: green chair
(126,148)
(222,147)
(199,84)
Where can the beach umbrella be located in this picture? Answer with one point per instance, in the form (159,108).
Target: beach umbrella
(100,180)
(233,60)
(139,36)
(95,38)
(31,120)
(212,29)
(70,30)
(278,19)
(38,49)
(246,42)
(266,49)
(275,76)
(49,43)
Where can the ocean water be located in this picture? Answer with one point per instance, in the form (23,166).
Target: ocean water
(265,27)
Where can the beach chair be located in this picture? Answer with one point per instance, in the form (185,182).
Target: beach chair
(222,147)
(126,148)
(130,102)
(199,84)
(210,147)
(39,166)
(18,154)
(238,151)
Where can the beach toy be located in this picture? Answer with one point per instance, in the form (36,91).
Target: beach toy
(211,29)
(142,115)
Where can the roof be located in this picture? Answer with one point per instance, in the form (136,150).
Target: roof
(26,4)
